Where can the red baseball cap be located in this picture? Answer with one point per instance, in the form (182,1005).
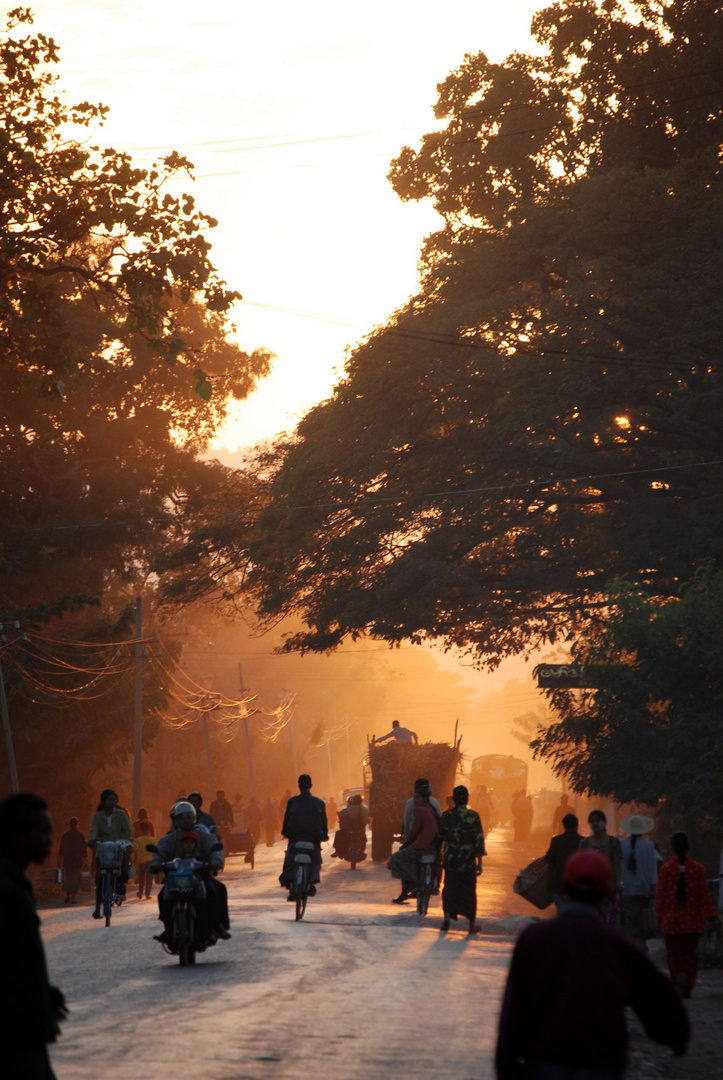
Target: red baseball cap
(190,835)
(588,871)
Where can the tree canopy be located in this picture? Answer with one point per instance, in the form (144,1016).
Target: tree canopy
(541,418)
(117,365)
(652,728)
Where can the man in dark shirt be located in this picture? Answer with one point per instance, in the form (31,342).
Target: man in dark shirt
(72,856)
(30,1008)
(560,849)
(305,819)
(571,978)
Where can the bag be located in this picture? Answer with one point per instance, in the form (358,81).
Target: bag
(533,884)
(85,881)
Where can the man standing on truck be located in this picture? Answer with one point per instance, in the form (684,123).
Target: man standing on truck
(400,734)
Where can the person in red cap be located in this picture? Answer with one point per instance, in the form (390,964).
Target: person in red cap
(570,980)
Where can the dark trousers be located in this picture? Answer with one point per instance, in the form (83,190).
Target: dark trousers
(288,873)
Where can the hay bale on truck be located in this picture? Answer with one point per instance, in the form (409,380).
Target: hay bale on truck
(394,768)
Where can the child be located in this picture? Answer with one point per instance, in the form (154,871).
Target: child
(144,856)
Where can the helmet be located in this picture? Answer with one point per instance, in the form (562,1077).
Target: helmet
(183,807)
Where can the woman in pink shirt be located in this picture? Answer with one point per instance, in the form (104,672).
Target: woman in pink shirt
(683,903)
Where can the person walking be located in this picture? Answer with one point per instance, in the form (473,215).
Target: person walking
(683,905)
(522,813)
(144,859)
(561,812)
(569,984)
(610,847)
(253,819)
(561,848)
(271,821)
(221,811)
(142,816)
(72,857)
(30,1008)
(462,841)
(640,876)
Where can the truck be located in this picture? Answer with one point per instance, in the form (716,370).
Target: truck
(503,775)
(394,767)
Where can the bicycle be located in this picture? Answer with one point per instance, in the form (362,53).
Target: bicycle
(109,856)
(302,862)
(424,889)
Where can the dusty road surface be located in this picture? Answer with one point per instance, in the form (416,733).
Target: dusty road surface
(359,989)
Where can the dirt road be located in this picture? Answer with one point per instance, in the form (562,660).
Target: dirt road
(360,988)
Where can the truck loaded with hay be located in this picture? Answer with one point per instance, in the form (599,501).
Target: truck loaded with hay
(394,768)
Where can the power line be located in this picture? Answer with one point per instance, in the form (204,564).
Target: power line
(371,500)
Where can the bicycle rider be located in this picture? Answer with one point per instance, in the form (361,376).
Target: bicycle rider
(109,822)
(305,819)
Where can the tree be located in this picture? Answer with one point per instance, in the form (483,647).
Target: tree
(118,364)
(81,224)
(541,418)
(652,729)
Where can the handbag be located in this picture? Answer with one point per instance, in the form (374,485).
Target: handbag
(533,884)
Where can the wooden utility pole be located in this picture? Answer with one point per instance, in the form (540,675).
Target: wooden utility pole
(138,711)
(249,758)
(8,736)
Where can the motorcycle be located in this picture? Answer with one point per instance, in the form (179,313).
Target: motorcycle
(354,849)
(184,887)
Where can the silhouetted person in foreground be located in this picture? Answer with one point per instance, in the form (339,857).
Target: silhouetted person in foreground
(563,1013)
(30,1008)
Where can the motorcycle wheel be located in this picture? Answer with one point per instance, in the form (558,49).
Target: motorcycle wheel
(301,895)
(108,897)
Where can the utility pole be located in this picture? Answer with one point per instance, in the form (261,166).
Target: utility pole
(208,753)
(293,744)
(331,775)
(249,759)
(8,736)
(138,727)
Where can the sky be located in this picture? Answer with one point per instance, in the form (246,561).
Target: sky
(291,114)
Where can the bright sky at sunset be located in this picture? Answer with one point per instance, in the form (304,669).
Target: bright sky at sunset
(291,114)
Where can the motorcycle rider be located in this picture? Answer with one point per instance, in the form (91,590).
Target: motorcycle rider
(353,820)
(305,819)
(170,846)
(202,818)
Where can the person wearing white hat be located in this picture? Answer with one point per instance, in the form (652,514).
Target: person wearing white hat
(640,875)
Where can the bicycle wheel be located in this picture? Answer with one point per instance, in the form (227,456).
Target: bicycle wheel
(301,887)
(108,884)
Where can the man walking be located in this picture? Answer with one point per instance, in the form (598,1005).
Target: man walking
(30,1008)
(460,831)
(571,978)
(72,857)
(560,849)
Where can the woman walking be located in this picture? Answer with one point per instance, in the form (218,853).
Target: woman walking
(610,847)
(640,874)
(682,905)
